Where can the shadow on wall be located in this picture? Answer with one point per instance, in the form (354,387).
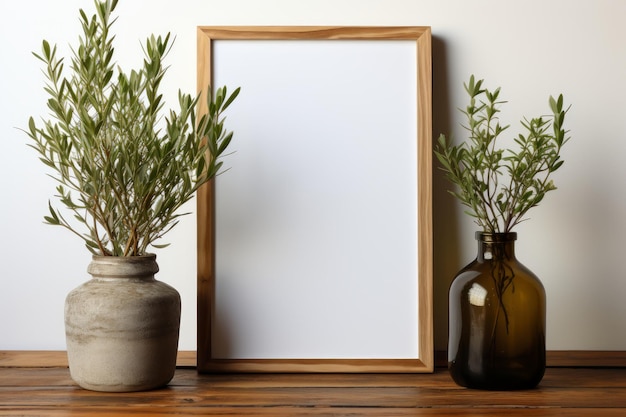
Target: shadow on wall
(446,256)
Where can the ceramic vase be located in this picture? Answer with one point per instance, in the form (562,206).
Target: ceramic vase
(122,326)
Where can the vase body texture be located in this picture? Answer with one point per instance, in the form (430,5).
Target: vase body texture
(497,320)
(122,326)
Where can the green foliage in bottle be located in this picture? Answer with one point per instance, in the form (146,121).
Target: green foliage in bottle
(123,167)
(499,186)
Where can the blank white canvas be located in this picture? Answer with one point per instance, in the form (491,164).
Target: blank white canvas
(316,239)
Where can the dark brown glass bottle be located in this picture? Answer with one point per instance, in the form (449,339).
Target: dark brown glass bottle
(497,320)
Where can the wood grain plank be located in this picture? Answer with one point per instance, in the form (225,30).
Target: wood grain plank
(208,395)
(567,358)
(554,378)
(87,411)
(58,358)
(49,391)
(555,358)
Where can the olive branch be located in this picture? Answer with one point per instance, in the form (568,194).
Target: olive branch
(500,186)
(123,168)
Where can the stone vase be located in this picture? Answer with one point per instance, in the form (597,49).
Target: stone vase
(122,326)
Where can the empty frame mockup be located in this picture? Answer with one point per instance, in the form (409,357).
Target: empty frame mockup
(315,247)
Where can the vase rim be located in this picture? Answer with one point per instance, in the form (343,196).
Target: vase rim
(496,236)
(122,258)
(123,266)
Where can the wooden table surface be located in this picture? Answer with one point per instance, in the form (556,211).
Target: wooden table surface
(48,390)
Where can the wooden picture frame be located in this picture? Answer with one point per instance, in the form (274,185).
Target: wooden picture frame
(263,167)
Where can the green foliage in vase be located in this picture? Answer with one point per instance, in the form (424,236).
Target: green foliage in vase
(123,166)
(499,186)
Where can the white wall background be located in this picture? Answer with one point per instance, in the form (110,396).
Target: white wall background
(532,49)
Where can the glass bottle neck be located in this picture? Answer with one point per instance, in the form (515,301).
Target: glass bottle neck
(495,246)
